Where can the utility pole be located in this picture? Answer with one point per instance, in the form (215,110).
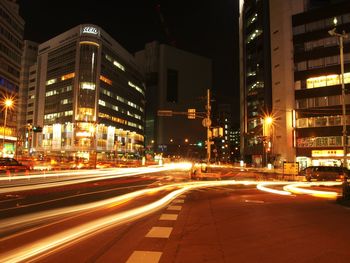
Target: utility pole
(208,127)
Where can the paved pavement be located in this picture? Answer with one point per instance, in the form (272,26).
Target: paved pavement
(240,225)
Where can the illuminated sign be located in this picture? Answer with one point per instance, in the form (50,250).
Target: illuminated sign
(90,30)
(327,153)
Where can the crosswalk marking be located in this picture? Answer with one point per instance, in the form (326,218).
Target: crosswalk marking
(179,201)
(161,232)
(174,207)
(168,217)
(144,257)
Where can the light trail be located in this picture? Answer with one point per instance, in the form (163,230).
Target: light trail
(57,241)
(101,175)
(263,187)
(297,189)
(77,233)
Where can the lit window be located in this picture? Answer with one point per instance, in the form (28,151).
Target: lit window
(118,65)
(87,85)
(101,102)
(51,81)
(136,87)
(106,80)
(68,76)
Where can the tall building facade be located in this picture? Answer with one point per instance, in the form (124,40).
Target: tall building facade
(317,82)
(305,123)
(11,45)
(255,77)
(25,101)
(89,97)
(176,80)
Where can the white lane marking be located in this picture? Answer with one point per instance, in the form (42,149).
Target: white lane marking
(179,201)
(174,207)
(161,232)
(168,217)
(144,257)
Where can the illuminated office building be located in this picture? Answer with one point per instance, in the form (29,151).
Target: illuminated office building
(11,45)
(317,83)
(90,96)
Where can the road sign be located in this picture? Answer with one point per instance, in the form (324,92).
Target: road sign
(206,122)
(165,113)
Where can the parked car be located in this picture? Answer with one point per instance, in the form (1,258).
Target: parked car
(325,173)
(12,165)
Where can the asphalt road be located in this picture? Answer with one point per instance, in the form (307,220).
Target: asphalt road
(218,224)
(227,224)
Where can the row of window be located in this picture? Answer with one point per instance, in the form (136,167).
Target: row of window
(10,53)
(12,23)
(53,116)
(325,81)
(125,101)
(116,108)
(119,120)
(321,24)
(62,78)
(59,91)
(10,37)
(115,63)
(320,62)
(322,121)
(309,142)
(321,102)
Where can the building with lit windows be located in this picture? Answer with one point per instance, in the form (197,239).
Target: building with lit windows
(90,96)
(255,76)
(222,146)
(11,45)
(267,96)
(293,115)
(317,83)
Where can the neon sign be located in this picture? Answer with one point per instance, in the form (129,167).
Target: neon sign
(90,30)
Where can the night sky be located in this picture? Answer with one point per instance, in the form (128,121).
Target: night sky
(206,28)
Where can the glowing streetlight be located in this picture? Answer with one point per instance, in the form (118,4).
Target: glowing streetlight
(267,127)
(8,103)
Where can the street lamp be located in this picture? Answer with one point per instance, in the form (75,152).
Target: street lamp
(341,37)
(8,103)
(267,125)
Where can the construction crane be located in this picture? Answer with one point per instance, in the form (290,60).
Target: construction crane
(170,39)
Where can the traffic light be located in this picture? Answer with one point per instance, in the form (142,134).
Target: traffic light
(37,129)
(191,113)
